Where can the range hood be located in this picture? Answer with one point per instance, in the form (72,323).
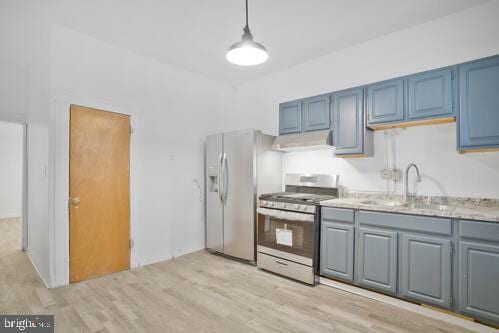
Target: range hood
(315,140)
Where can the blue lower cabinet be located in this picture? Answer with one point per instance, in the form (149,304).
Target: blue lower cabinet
(316,115)
(337,250)
(377,259)
(350,136)
(386,101)
(426,269)
(479,104)
(479,280)
(290,117)
(431,94)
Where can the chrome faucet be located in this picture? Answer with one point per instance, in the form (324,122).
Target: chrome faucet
(407,194)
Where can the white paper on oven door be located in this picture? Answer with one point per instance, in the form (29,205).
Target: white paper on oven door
(284,237)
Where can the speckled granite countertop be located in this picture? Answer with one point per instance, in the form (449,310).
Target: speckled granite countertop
(451,207)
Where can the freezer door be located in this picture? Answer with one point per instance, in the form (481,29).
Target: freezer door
(214,207)
(239,192)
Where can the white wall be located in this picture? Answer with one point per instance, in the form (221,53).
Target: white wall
(460,37)
(24,98)
(172,112)
(11,169)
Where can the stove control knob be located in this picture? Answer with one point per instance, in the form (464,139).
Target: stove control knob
(297,206)
(271,204)
(284,205)
(304,208)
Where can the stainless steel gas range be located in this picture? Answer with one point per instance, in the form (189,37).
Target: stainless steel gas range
(288,226)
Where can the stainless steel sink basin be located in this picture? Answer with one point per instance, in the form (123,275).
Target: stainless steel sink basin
(383,203)
(418,205)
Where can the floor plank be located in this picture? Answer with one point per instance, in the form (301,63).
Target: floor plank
(200,292)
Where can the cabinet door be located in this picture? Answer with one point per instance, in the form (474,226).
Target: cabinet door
(426,269)
(378,259)
(479,104)
(479,280)
(316,113)
(290,117)
(348,121)
(430,94)
(385,101)
(337,250)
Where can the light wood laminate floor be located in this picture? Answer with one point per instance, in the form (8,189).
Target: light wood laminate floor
(10,235)
(200,292)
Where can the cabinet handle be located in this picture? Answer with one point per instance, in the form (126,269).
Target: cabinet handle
(281,263)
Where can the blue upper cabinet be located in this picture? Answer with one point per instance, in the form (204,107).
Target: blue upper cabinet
(479,104)
(316,113)
(431,94)
(349,126)
(290,117)
(385,101)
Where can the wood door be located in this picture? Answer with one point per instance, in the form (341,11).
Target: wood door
(99,190)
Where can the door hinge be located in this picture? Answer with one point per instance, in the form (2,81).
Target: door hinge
(452,249)
(131,243)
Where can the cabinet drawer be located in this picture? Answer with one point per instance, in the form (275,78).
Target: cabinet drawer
(337,214)
(285,267)
(487,231)
(424,224)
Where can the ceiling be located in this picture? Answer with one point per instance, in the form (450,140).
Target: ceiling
(195,34)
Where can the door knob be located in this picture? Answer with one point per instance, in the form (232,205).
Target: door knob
(75,201)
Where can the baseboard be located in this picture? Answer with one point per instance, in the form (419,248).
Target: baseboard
(36,269)
(425,311)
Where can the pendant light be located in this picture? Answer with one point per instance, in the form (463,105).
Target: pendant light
(247,52)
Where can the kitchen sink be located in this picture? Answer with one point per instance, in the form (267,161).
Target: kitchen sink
(417,205)
(383,203)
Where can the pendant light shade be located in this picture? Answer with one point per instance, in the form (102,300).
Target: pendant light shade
(247,52)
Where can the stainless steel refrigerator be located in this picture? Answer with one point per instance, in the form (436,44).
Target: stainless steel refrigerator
(240,166)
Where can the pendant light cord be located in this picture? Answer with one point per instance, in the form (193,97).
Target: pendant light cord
(247,14)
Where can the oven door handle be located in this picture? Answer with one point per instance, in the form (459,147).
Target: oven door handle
(286,215)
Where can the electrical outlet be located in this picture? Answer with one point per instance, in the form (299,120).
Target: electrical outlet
(391,174)
(396,174)
(386,174)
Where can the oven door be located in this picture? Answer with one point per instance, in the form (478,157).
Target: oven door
(286,231)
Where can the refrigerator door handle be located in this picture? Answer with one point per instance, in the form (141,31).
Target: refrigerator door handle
(220,175)
(226,177)
(223,194)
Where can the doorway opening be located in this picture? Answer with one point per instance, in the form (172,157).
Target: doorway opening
(12,171)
